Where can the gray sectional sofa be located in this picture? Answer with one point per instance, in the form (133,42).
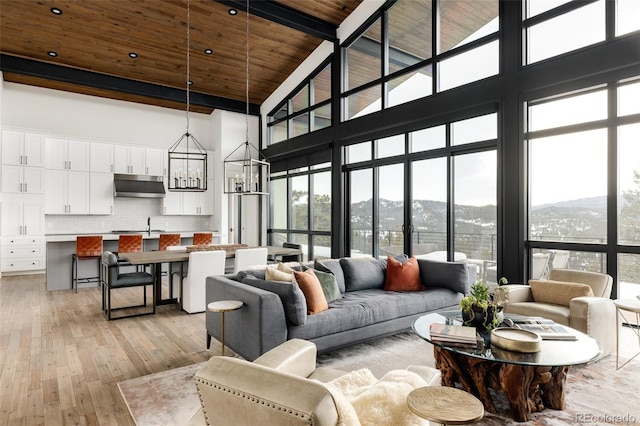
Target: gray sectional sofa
(274,312)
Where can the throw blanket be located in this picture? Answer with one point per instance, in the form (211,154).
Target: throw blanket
(363,400)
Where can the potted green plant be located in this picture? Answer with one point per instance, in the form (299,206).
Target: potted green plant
(480,308)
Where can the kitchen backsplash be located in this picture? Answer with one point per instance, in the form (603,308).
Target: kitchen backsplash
(129,214)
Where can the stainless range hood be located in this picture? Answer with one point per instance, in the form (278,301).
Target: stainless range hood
(138,186)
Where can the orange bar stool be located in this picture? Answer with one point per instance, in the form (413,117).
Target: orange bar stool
(167,240)
(202,238)
(129,243)
(87,248)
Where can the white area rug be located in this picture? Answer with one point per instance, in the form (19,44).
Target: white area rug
(597,393)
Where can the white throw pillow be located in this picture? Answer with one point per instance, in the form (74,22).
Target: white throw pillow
(273,274)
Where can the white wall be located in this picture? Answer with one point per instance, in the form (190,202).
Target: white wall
(85,117)
(71,115)
(229,134)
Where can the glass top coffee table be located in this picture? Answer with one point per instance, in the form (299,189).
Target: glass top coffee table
(530,381)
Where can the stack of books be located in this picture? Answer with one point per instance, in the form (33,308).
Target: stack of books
(454,335)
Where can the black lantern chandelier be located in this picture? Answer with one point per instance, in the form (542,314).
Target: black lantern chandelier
(187,169)
(244,174)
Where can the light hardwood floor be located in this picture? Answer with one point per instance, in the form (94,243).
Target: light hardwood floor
(61,359)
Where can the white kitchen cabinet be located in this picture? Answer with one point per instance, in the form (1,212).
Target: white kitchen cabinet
(198,203)
(101,193)
(172,201)
(22,148)
(22,180)
(23,254)
(22,215)
(129,159)
(191,203)
(101,158)
(154,162)
(63,154)
(66,192)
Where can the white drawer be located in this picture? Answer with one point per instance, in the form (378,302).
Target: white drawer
(19,241)
(22,252)
(23,264)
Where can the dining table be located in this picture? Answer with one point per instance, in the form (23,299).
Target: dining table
(159,257)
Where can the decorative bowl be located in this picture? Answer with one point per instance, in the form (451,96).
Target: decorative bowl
(514,339)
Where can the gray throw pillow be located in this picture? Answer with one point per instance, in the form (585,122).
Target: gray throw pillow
(293,300)
(331,266)
(363,273)
(451,275)
(329,284)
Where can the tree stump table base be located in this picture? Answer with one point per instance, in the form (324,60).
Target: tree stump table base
(528,388)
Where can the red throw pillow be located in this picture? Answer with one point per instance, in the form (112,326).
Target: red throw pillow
(403,276)
(312,289)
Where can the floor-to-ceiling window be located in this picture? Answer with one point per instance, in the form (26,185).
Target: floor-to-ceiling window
(417,48)
(584,154)
(300,209)
(405,176)
(401,188)
(583,150)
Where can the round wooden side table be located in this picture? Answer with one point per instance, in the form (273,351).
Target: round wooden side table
(445,405)
(223,306)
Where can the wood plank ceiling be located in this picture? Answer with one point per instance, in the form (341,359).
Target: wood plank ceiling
(93,40)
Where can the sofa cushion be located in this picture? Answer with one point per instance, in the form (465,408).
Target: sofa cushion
(365,308)
(451,275)
(256,273)
(558,292)
(363,273)
(293,299)
(329,284)
(331,266)
(310,286)
(402,276)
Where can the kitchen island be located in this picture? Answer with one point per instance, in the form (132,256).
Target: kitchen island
(60,247)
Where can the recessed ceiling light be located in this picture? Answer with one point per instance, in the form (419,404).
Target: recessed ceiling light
(56,11)
(133,55)
(52,54)
(208,51)
(233,11)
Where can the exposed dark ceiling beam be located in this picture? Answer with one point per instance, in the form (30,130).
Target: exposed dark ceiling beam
(44,70)
(286,16)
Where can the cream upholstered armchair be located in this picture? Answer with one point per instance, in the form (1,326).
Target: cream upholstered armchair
(281,387)
(578,299)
